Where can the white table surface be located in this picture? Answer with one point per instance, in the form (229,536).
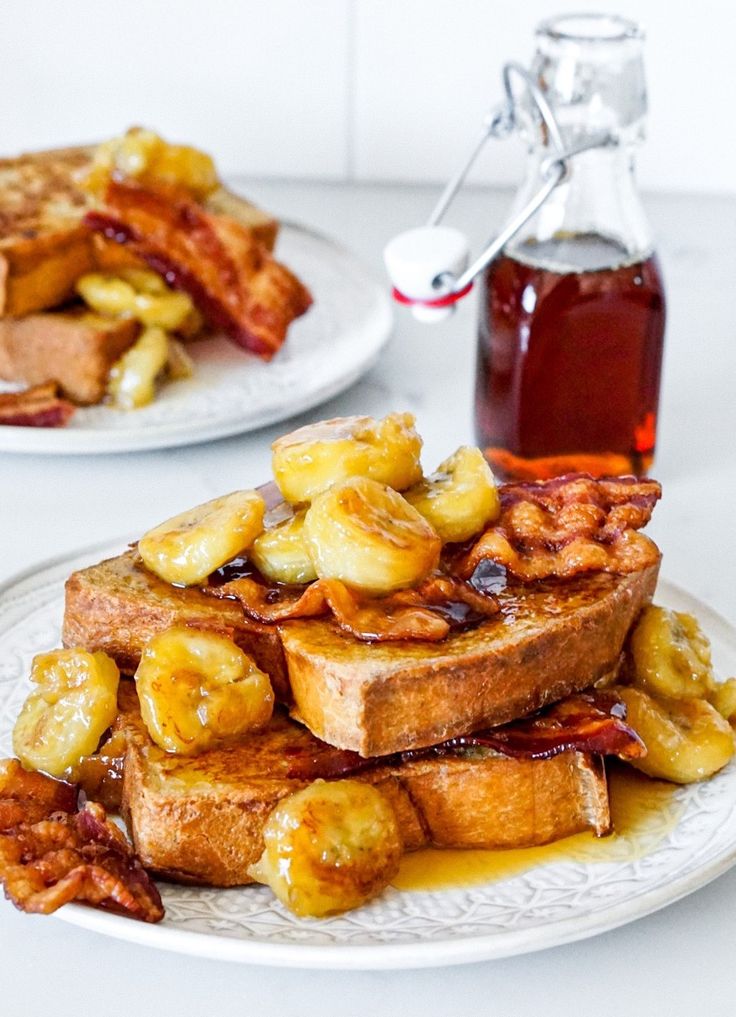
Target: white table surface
(677,962)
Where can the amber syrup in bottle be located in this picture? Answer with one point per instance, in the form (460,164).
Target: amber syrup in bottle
(569,361)
(571,313)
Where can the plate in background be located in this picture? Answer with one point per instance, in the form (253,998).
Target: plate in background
(232,391)
(553,903)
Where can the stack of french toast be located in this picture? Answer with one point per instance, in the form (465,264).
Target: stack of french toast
(296,683)
(111,256)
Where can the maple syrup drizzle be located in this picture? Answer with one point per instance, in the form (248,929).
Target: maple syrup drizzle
(644,812)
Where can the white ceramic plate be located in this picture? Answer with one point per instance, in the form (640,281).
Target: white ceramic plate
(326,351)
(554,903)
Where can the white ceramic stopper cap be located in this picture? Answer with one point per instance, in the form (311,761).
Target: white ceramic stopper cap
(416,258)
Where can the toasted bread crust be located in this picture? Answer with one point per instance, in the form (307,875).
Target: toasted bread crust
(549,641)
(117,607)
(74,349)
(41,271)
(201,819)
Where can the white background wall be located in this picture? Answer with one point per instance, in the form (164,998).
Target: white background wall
(343,89)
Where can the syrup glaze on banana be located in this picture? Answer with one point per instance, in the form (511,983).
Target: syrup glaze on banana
(345,517)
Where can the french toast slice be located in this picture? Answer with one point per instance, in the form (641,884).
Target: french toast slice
(45,248)
(74,348)
(117,606)
(548,641)
(200,819)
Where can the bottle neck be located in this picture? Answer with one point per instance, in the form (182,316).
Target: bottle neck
(592,220)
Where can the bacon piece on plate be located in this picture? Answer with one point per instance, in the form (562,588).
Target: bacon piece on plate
(50,854)
(233,280)
(39,406)
(569,525)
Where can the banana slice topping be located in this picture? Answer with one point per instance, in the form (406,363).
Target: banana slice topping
(723,697)
(135,293)
(188,548)
(460,499)
(671,654)
(686,739)
(73,703)
(281,552)
(198,689)
(311,459)
(371,538)
(132,380)
(330,847)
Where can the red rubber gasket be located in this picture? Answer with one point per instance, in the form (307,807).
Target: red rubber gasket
(446,301)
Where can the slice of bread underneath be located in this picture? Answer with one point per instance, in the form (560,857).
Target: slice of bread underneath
(200,819)
(549,640)
(74,348)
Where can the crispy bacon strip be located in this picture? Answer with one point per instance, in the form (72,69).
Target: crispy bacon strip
(591,722)
(38,406)
(406,615)
(569,525)
(234,281)
(50,854)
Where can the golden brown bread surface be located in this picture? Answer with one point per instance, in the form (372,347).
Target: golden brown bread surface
(200,819)
(74,348)
(43,246)
(117,607)
(549,640)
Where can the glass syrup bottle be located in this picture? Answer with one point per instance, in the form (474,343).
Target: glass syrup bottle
(572,311)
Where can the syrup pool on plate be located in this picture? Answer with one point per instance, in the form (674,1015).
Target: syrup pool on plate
(644,812)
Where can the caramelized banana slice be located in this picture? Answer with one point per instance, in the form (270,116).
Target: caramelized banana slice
(198,689)
(120,297)
(142,155)
(313,458)
(371,538)
(723,697)
(460,499)
(66,714)
(144,280)
(188,548)
(132,381)
(671,654)
(281,552)
(686,739)
(329,848)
